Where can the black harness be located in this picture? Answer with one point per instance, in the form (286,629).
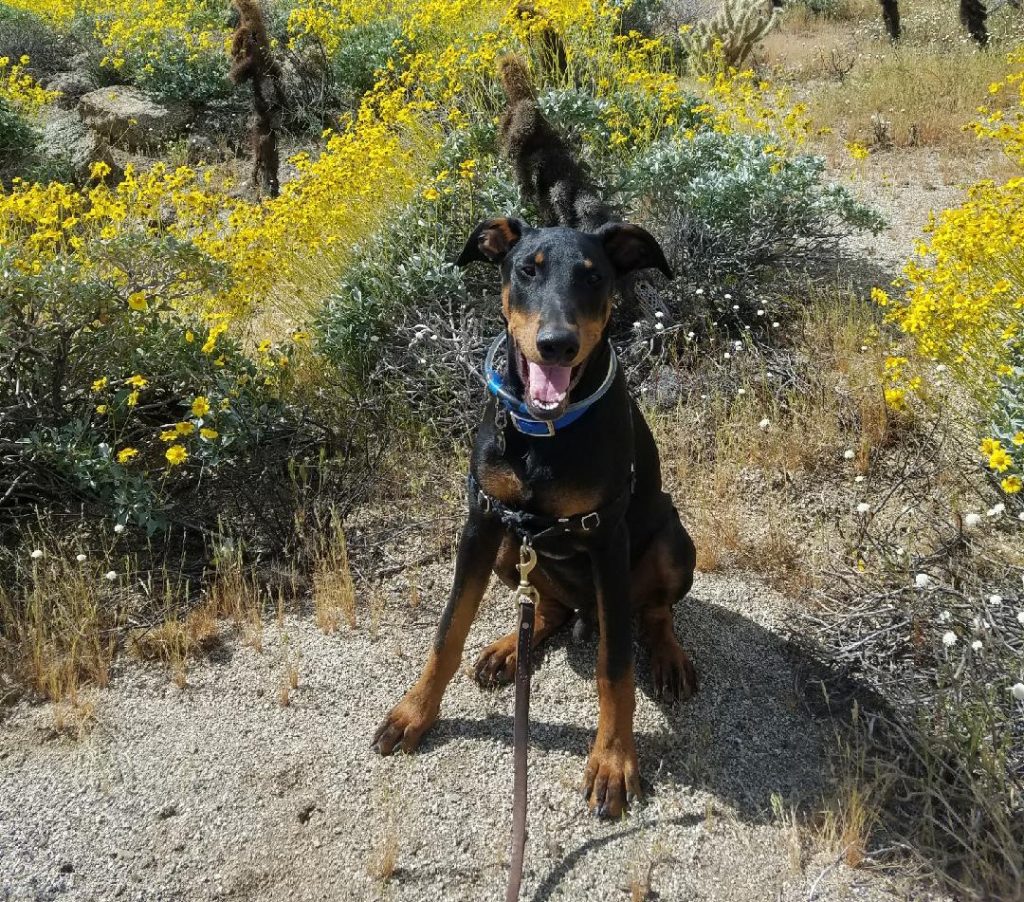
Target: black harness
(530,528)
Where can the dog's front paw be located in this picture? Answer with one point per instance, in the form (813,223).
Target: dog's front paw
(496,665)
(611,780)
(405,725)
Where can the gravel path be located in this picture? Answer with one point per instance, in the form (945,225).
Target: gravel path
(218,792)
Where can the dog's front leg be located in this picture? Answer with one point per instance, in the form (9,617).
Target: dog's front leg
(416,712)
(612,777)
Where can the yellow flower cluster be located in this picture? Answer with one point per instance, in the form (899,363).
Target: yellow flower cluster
(739,102)
(961,297)
(140,38)
(19,90)
(280,257)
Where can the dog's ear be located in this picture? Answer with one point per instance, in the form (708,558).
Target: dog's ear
(492,240)
(630,248)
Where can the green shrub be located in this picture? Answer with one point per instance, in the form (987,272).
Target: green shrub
(728,204)
(18,139)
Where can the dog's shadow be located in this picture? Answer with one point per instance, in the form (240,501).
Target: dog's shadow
(762,724)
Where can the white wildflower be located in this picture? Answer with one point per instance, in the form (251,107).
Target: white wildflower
(119,528)
(972,520)
(949,638)
(849,454)
(995,599)
(35,555)
(863,507)
(1018,691)
(944,617)
(976,645)
(110,575)
(922,580)
(81,558)
(764,424)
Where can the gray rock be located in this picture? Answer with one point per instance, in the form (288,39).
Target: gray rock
(129,118)
(72,85)
(66,139)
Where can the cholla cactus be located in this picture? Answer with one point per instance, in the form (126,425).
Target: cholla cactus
(727,39)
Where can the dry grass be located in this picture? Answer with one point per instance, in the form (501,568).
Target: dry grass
(921,93)
(61,631)
(771,426)
(334,597)
(384,860)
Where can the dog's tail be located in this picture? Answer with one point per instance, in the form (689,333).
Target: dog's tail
(547,171)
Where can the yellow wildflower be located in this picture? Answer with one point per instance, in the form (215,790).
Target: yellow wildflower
(136,382)
(137,301)
(184,428)
(100,384)
(208,434)
(200,406)
(175,455)
(1012,484)
(168,435)
(1000,461)
(126,454)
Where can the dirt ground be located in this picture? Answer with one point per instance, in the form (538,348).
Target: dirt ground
(218,792)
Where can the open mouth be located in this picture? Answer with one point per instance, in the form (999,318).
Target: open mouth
(547,387)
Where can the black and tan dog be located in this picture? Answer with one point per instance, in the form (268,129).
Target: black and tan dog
(564,456)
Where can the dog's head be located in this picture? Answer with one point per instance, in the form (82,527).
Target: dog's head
(556,296)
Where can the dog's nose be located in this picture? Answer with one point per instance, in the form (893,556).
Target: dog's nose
(558,345)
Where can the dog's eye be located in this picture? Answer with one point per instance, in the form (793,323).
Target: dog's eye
(594,278)
(528,270)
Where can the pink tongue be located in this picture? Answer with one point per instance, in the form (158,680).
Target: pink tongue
(548,383)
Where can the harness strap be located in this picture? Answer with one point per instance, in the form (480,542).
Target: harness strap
(531,527)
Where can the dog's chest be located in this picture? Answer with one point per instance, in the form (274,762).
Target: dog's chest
(529,484)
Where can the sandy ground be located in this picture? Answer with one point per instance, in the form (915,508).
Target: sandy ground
(218,792)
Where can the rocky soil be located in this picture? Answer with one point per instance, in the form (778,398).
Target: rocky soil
(217,791)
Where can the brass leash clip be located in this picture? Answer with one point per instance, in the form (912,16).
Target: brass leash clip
(527,561)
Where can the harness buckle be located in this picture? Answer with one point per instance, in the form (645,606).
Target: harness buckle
(596,524)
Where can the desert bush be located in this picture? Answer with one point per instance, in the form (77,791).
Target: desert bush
(21,100)
(120,384)
(17,137)
(728,38)
(730,204)
(171,48)
(961,302)
(24,33)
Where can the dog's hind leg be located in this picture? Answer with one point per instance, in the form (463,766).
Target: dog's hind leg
(496,665)
(416,712)
(662,576)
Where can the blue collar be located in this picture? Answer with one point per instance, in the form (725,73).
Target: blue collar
(520,413)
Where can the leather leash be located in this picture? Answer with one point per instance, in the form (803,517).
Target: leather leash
(528,598)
